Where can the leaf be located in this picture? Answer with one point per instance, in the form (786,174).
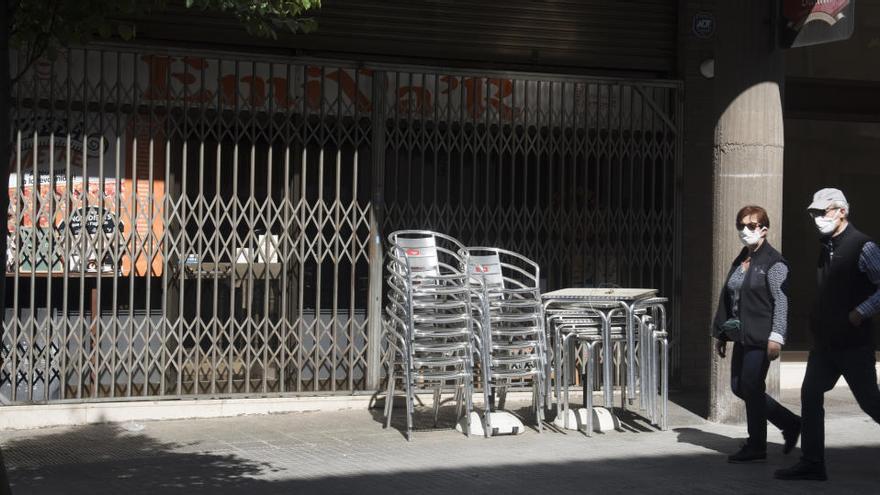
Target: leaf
(126,31)
(309,25)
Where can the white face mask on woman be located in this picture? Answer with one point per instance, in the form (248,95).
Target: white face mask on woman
(828,225)
(750,237)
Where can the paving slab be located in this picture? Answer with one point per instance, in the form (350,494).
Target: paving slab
(350,452)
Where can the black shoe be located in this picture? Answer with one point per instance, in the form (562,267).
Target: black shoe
(791,439)
(803,470)
(748,454)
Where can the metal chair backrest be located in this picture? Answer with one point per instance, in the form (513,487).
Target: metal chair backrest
(420,254)
(486,268)
(423,253)
(500,268)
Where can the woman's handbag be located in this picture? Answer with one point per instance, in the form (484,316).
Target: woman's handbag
(732,330)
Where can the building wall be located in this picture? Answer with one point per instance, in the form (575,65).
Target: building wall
(832,128)
(823,153)
(257,125)
(854,59)
(571,36)
(696,211)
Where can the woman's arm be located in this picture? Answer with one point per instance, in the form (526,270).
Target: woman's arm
(776,277)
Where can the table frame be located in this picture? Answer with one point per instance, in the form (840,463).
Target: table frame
(601,300)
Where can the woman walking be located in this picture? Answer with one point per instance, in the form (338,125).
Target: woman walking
(753,314)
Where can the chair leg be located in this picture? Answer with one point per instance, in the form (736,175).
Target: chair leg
(548,386)
(656,380)
(557,361)
(665,384)
(652,384)
(469,405)
(437,397)
(644,359)
(585,363)
(458,398)
(588,391)
(564,373)
(488,399)
(389,399)
(537,400)
(621,372)
(409,405)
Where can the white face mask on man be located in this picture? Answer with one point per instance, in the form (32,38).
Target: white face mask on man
(827,225)
(750,237)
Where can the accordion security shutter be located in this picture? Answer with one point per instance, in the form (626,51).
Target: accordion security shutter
(600,34)
(578,35)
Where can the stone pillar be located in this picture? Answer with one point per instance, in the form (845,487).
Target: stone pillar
(696,305)
(747,155)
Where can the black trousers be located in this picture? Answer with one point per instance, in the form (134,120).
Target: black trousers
(748,374)
(824,368)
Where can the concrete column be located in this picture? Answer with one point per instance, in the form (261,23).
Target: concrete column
(696,305)
(375,332)
(747,155)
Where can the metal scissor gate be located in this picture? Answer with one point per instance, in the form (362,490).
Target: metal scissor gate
(204,225)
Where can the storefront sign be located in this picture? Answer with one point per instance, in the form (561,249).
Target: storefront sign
(813,22)
(210,83)
(704,25)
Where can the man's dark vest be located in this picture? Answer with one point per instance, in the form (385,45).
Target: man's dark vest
(842,287)
(755,302)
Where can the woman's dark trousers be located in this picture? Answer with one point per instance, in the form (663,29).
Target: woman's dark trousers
(747,380)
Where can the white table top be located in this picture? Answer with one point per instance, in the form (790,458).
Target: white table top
(599,294)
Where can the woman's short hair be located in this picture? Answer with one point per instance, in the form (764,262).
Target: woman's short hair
(749,210)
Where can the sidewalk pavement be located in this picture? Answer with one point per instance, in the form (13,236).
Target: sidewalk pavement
(350,452)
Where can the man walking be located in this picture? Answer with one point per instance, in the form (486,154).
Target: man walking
(843,343)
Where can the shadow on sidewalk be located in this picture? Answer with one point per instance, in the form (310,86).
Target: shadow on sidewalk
(423,419)
(113,460)
(156,470)
(106,459)
(708,440)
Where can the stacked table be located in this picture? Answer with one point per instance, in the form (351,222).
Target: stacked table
(603,300)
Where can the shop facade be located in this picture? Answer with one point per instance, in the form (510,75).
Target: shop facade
(195,221)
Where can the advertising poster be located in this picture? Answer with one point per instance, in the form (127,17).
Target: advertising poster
(73,214)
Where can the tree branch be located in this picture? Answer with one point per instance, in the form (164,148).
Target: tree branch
(38,46)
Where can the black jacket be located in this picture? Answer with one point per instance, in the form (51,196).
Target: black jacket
(756,304)
(842,287)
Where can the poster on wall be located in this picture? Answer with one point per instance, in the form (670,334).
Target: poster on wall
(50,193)
(813,22)
(80,213)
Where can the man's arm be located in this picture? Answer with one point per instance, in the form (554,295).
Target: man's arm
(869,264)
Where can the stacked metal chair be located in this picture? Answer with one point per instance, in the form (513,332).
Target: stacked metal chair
(510,319)
(428,322)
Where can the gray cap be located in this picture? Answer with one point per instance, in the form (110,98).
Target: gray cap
(827,197)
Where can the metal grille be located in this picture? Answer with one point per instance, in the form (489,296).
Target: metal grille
(195,225)
(185,226)
(579,175)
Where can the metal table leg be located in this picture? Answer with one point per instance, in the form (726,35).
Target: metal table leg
(630,353)
(608,357)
